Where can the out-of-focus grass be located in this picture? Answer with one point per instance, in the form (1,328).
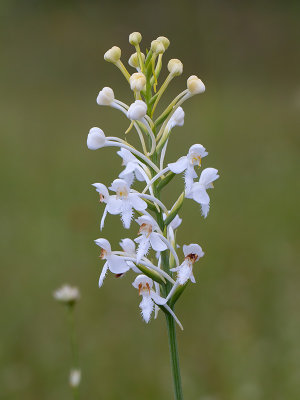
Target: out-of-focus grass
(241,319)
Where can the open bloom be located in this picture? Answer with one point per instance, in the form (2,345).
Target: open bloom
(132,168)
(113,263)
(192,254)
(137,110)
(198,191)
(125,201)
(128,247)
(148,237)
(109,200)
(144,285)
(187,163)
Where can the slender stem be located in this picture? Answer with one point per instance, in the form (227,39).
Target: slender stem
(73,343)
(178,395)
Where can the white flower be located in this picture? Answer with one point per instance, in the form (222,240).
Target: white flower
(187,164)
(148,237)
(137,82)
(114,263)
(177,119)
(113,55)
(132,169)
(128,247)
(165,41)
(125,201)
(144,285)
(192,253)
(158,46)
(106,198)
(195,85)
(75,378)
(198,191)
(96,139)
(175,67)
(67,294)
(137,110)
(105,97)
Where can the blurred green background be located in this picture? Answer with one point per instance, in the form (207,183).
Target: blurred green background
(242,320)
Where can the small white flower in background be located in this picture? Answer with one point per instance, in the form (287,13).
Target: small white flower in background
(96,139)
(75,378)
(114,263)
(144,285)
(187,163)
(132,168)
(148,237)
(105,97)
(126,201)
(195,85)
(128,247)
(198,191)
(137,110)
(192,254)
(177,119)
(137,82)
(67,294)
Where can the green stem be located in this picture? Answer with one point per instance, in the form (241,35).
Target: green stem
(73,343)
(174,357)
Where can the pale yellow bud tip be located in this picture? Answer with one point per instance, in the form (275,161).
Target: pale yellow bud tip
(165,41)
(137,82)
(134,60)
(195,85)
(113,55)
(157,47)
(135,38)
(175,67)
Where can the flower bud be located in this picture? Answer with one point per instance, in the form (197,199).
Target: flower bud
(195,85)
(137,81)
(113,55)
(134,60)
(157,47)
(96,139)
(67,294)
(135,38)
(165,41)
(137,110)
(105,97)
(175,67)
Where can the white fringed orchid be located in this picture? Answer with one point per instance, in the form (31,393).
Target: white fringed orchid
(114,263)
(198,191)
(148,237)
(125,201)
(132,168)
(144,285)
(128,246)
(192,253)
(187,164)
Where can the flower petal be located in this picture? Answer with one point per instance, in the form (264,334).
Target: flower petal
(114,205)
(117,265)
(146,306)
(179,166)
(104,244)
(137,203)
(156,243)
(198,193)
(208,175)
(103,274)
(126,213)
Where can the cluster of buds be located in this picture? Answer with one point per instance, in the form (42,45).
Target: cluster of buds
(160,282)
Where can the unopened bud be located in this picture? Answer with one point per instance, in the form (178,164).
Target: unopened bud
(157,47)
(113,55)
(134,60)
(195,85)
(96,139)
(135,38)
(165,41)
(137,82)
(137,110)
(105,97)
(175,67)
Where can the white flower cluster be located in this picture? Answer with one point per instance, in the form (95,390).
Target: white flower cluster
(157,222)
